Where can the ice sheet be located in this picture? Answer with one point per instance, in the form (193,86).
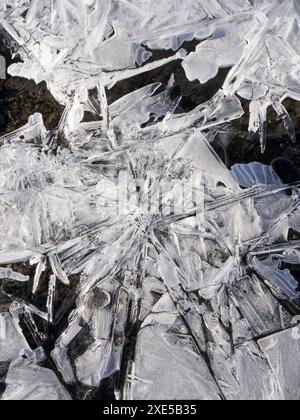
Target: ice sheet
(153,266)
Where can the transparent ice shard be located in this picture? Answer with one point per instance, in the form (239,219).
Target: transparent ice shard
(15,255)
(255,174)
(12,343)
(34,132)
(223,137)
(220,109)
(262,311)
(271,266)
(103,358)
(246,375)
(51,292)
(57,270)
(165,288)
(240,329)
(8,274)
(60,353)
(27,381)
(167,365)
(40,268)
(282,352)
(222,50)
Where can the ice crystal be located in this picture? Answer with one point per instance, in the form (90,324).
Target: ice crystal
(178,275)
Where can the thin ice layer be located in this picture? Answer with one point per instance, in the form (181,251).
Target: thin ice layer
(282,351)
(28,382)
(11,343)
(167,362)
(141,239)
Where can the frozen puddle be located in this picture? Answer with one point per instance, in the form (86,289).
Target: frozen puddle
(148,261)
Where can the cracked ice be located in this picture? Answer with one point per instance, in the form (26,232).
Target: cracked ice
(149,261)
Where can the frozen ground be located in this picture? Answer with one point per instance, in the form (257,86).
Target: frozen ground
(144,253)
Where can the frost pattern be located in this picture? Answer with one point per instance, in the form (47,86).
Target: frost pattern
(181,284)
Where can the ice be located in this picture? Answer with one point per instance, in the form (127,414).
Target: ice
(255,174)
(26,381)
(37,277)
(51,292)
(224,48)
(11,342)
(281,280)
(60,353)
(167,361)
(34,132)
(262,311)
(155,269)
(282,352)
(7,273)
(57,270)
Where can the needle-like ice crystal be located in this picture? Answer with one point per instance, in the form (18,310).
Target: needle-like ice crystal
(149,262)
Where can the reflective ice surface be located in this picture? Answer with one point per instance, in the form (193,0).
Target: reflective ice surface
(149,263)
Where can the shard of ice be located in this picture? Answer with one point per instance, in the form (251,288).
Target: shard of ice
(130,252)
